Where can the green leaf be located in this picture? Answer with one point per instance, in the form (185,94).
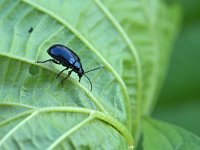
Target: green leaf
(152,32)
(36,110)
(160,136)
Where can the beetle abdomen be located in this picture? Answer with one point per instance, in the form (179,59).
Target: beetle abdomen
(63,54)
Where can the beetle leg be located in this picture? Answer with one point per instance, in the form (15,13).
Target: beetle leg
(61,72)
(79,79)
(54,61)
(69,73)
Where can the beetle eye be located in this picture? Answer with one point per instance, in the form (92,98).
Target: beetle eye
(80,71)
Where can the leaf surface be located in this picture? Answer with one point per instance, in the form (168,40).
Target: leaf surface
(151,27)
(160,136)
(36,110)
(35,107)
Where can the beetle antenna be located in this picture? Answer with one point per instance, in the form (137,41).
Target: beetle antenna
(89,81)
(93,69)
(89,78)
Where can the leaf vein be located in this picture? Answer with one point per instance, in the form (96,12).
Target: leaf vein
(66,134)
(17,127)
(90,46)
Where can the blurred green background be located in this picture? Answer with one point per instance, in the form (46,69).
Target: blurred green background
(179,99)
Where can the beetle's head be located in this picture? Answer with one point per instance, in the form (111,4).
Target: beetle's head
(80,72)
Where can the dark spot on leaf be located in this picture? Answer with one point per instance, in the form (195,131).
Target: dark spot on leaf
(33,70)
(30,30)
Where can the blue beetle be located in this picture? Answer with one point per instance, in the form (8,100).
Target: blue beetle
(67,58)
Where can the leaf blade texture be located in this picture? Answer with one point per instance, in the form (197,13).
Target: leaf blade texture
(36,110)
(160,135)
